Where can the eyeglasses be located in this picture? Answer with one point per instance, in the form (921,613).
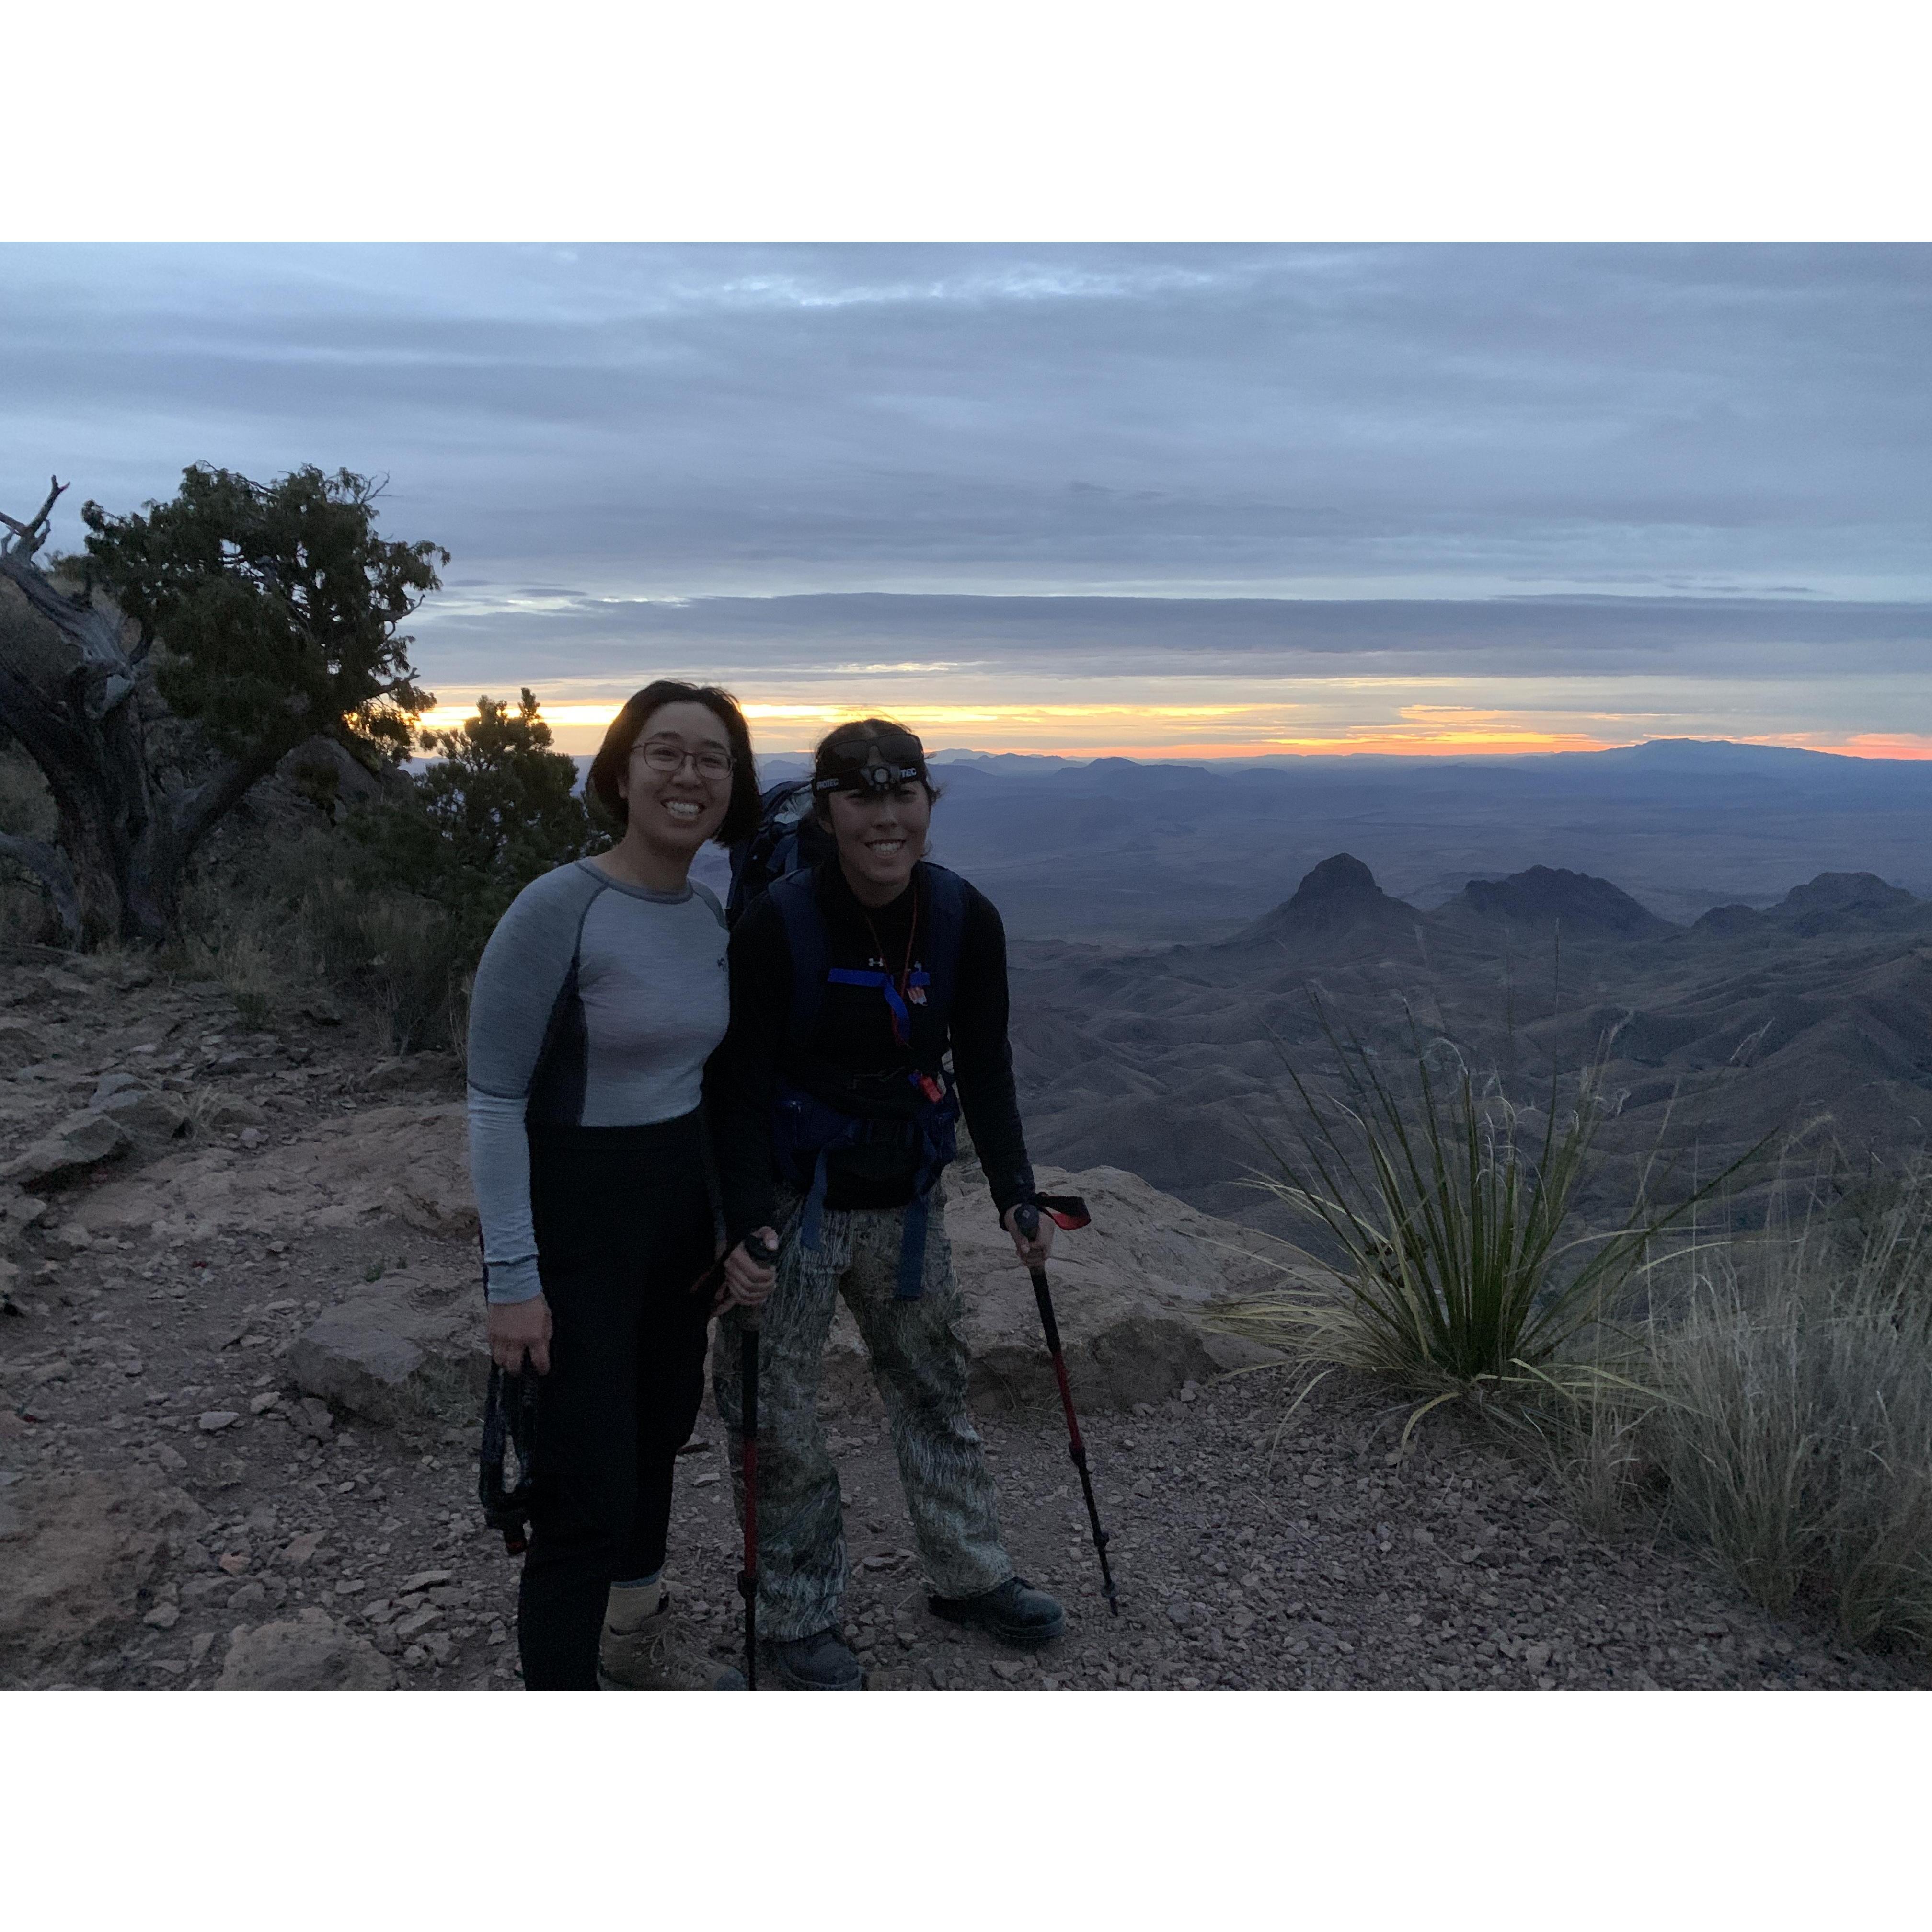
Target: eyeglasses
(663,755)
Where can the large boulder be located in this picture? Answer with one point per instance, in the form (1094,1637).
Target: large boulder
(152,1116)
(312,1652)
(78,1143)
(78,1554)
(18,1212)
(21,1043)
(380,1357)
(407,1163)
(1128,1294)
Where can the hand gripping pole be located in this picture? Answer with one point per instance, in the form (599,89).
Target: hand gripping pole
(1068,1212)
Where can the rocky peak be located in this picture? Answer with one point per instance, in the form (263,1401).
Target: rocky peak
(1342,876)
(1545,896)
(1855,895)
(1338,902)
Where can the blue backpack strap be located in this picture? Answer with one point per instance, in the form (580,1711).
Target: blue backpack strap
(945,926)
(795,896)
(938,1143)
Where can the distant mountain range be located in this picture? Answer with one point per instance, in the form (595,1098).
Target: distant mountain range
(1813,1014)
(1125,853)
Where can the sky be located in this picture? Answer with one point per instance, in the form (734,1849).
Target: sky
(1189,500)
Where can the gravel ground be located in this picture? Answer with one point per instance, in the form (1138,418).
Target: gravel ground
(1318,1565)
(1314,1561)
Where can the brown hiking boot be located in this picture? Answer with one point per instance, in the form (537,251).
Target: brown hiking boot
(661,1652)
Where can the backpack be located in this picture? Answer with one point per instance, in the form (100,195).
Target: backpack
(806,1128)
(788,838)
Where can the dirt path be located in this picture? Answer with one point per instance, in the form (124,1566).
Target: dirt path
(165,1491)
(1320,1566)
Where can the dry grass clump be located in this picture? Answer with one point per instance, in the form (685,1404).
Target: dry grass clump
(279,919)
(394,953)
(1792,1421)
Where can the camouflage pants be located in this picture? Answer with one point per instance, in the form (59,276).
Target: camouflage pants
(918,1362)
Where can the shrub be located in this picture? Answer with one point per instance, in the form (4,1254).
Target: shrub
(1448,1209)
(400,955)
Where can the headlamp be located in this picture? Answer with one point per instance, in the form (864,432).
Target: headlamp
(871,767)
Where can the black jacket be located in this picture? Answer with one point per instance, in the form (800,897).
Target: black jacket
(852,1039)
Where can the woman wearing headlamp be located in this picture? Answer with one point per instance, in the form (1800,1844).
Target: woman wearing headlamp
(834,1117)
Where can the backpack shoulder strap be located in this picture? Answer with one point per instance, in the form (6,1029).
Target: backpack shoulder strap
(946,926)
(795,899)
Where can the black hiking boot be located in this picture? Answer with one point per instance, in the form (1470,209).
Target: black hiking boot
(1014,1612)
(819,1662)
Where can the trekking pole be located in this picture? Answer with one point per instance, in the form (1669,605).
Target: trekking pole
(1026,1219)
(748,1577)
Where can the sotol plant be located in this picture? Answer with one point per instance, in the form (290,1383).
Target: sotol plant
(1456,1265)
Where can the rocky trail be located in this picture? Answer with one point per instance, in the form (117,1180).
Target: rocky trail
(239,1363)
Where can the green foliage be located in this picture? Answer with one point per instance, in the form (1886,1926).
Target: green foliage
(427,877)
(1448,1209)
(276,605)
(492,813)
(391,909)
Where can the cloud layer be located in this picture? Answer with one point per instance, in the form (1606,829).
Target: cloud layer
(628,449)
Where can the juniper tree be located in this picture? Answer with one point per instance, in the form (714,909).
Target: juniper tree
(260,615)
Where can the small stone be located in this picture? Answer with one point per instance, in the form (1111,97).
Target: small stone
(162,1616)
(425,1579)
(111,1084)
(235,1562)
(705,1481)
(1179,1612)
(170,1458)
(415,1657)
(1008,1669)
(251,1593)
(211,1420)
(302,1548)
(260,1404)
(199,1648)
(413,1625)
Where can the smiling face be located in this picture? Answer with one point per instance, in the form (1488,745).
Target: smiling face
(672,812)
(880,839)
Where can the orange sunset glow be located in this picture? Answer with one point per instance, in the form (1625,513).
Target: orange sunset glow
(1203,732)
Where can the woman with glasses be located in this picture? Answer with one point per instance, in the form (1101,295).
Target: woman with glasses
(600,996)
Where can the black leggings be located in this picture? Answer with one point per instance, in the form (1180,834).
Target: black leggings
(624,1226)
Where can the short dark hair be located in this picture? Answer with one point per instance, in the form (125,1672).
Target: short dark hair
(613,755)
(870,729)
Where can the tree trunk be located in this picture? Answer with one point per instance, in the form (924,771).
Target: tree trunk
(68,692)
